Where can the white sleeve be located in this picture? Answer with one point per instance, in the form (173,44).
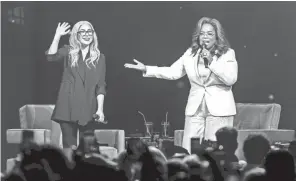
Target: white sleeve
(175,71)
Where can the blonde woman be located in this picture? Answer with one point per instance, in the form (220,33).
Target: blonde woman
(83,86)
(211,67)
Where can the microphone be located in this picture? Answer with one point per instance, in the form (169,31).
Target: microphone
(206,61)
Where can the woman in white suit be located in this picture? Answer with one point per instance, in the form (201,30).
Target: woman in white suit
(212,69)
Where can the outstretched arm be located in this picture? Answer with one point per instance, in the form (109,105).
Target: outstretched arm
(175,71)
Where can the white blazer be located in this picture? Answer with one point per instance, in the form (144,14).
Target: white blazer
(217,89)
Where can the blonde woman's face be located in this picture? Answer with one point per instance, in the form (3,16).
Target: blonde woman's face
(207,36)
(85,34)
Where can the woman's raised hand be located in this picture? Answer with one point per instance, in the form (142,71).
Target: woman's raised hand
(63,29)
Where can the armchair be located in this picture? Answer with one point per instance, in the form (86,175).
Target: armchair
(254,118)
(38,119)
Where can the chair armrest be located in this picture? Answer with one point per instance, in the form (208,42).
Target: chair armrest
(41,136)
(178,137)
(113,137)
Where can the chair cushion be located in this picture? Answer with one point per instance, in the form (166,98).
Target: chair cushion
(41,136)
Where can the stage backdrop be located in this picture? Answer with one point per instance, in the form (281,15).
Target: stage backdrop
(156,33)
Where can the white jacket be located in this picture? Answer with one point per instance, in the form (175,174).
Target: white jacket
(217,88)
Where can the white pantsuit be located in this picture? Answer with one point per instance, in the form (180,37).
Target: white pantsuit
(210,103)
(203,125)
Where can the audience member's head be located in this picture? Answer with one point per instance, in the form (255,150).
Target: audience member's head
(36,171)
(197,167)
(128,160)
(153,164)
(138,158)
(44,162)
(31,165)
(55,160)
(177,170)
(279,165)
(96,167)
(227,137)
(135,148)
(255,148)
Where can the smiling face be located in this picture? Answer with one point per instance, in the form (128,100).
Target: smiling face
(85,34)
(207,36)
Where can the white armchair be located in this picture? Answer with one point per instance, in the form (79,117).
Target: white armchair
(254,118)
(38,119)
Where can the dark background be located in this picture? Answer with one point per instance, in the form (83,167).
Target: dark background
(156,33)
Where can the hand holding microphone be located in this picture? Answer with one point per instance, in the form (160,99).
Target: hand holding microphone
(206,55)
(96,118)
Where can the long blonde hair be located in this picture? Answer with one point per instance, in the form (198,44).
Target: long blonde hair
(75,46)
(221,45)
